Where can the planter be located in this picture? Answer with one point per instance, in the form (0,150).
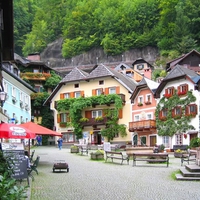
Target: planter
(97,156)
(178,155)
(74,150)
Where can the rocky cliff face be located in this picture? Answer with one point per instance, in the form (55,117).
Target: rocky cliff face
(53,57)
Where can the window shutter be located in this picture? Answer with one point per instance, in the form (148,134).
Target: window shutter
(93,92)
(186,110)
(120,115)
(61,96)
(117,90)
(160,114)
(58,118)
(82,93)
(88,114)
(72,95)
(166,91)
(179,89)
(186,86)
(173,112)
(195,109)
(106,90)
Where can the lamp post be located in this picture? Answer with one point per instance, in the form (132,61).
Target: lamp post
(2,98)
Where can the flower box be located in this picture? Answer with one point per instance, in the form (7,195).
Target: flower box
(140,104)
(167,96)
(148,103)
(74,149)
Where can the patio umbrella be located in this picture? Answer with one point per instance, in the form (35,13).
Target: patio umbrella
(13,131)
(40,130)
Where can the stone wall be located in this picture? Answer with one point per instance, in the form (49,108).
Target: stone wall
(52,55)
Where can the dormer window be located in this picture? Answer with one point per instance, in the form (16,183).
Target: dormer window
(140,66)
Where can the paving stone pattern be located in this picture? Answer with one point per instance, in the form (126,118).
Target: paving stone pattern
(92,180)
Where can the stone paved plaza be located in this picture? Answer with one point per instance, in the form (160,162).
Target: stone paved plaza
(97,180)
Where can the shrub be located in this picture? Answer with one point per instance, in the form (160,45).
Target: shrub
(194,142)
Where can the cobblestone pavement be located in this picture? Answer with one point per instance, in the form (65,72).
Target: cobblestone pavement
(97,180)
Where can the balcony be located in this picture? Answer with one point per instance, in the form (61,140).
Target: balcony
(35,76)
(93,122)
(142,125)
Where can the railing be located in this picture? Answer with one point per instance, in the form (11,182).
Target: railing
(31,75)
(93,122)
(141,125)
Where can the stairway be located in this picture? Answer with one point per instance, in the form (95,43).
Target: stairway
(189,173)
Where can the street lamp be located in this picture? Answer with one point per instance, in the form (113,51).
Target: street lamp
(2,98)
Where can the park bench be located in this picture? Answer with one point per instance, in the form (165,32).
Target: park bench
(84,149)
(116,155)
(190,156)
(151,158)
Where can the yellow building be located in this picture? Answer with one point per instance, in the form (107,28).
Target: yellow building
(99,83)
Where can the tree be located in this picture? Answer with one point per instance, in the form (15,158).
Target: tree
(52,81)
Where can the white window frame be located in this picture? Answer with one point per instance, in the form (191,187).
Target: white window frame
(98,92)
(150,99)
(66,95)
(140,99)
(165,141)
(5,86)
(63,117)
(112,90)
(97,113)
(13,92)
(77,94)
(136,118)
(147,114)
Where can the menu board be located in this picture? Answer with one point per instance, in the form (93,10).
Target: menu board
(17,161)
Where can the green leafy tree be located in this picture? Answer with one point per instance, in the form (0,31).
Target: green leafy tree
(52,81)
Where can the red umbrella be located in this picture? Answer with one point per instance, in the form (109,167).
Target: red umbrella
(14,131)
(40,130)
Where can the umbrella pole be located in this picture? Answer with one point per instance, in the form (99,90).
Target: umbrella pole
(29,144)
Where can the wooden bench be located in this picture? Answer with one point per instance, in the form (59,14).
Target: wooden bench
(116,155)
(33,167)
(191,156)
(84,149)
(151,157)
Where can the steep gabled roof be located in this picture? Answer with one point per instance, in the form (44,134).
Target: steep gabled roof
(178,72)
(100,71)
(75,75)
(141,60)
(176,61)
(144,83)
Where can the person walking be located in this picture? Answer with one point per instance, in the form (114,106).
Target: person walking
(60,141)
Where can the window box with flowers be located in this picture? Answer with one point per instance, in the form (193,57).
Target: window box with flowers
(84,119)
(74,149)
(163,118)
(140,104)
(167,96)
(177,116)
(147,102)
(182,93)
(99,119)
(63,124)
(14,100)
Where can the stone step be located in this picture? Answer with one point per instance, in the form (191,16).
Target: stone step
(192,168)
(180,177)
(187,173)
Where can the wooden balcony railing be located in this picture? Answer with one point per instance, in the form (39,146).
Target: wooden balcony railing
(35,76)
(94,122)
(142,125)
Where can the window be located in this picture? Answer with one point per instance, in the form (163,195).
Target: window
(26,100)
(136,118)
(68,137)
(183,89)
(177,110)
(148,98)
(164,113)
(112,90)
(96,113)
(13,92)
(143,140)
(179,139)
(165,141)
(21,96)
(191,109)
(169,92)
(66,95)
(140,67)
(140,99)
(98,92)
(35,70)
(149,116)
(77,94)
(64,117)
(76,85)
(101,82)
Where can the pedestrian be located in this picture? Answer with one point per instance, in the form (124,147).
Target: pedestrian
(40,140)
(37,140)
(60,141)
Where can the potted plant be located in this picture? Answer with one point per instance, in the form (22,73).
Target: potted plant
(98,119)
(74,149)
(97,155)
(178,153)
(84,119)
(161,148)
(140,104)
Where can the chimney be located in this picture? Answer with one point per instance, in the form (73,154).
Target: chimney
(147,73)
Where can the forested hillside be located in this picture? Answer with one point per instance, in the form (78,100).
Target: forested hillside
(115,25)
